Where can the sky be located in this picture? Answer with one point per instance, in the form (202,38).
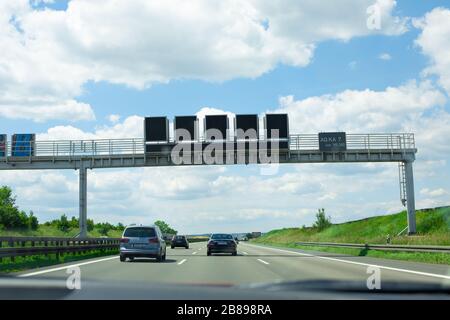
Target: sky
(85,69)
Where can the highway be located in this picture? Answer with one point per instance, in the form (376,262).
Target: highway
(253,264)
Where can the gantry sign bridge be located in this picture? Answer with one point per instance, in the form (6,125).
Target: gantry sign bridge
(140,152)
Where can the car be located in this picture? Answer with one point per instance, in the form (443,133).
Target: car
(179,241)
(143,242)
(221,243)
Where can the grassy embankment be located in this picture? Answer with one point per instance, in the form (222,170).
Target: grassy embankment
(433,228)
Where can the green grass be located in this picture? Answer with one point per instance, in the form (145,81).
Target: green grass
(38,261)
(433,228)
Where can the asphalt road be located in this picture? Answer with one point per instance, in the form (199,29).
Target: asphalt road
(253,264)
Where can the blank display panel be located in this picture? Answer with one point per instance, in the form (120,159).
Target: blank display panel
(218,122)
(246,122)
(156,129)
(278,122)
(186,123)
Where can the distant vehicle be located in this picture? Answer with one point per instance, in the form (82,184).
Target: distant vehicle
(221,243)
(237,240)
(179,241)
(142,241)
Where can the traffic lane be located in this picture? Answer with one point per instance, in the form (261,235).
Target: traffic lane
(113,269)
(305,265)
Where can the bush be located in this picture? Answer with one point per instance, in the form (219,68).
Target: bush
(322,221)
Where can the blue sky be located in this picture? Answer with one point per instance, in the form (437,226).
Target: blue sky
(135,79)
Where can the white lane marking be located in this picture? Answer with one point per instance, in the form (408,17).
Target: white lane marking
(244,252)
(441,276)
(194,252)
(65,267)
(182,261)
(262,261)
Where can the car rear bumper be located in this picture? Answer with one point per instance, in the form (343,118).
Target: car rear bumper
(140,252)
(179,244)
(225,249)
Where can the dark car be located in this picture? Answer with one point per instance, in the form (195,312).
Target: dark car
(221,243)
(179,241)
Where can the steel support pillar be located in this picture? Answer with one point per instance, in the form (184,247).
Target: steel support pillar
(410,201)
(83,202)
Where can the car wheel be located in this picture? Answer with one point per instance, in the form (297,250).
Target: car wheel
(187,247)
(235,253)
(208,253)
(131,258)
(159,257)
(122,258)
(172,247)
(164,256)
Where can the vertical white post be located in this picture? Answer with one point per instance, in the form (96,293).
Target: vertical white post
(83,202)
(410,201)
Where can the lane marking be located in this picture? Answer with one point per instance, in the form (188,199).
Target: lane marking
(182,261)
(441,276)
(65,267)
(262,261)
(194,252)
(244,252)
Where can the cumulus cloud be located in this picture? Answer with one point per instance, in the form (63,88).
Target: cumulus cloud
(55,52)
(434,42)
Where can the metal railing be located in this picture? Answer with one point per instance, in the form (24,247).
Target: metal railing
(387,247)
(13,247)
(135,146)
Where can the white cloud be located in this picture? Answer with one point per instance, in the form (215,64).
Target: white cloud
(385,57)
(434,41)
(43,109)
(434,193)
(113,118)
(54,52)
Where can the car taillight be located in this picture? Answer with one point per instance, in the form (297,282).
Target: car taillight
(124,240)
(153,240)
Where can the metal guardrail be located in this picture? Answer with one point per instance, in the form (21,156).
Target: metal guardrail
(388,247)
(29,246)
(136,146)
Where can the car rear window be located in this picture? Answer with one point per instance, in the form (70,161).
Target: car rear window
(140,233)
(222,236)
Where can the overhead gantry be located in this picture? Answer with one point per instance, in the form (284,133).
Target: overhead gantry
(83,155)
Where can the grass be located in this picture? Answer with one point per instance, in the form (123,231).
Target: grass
(433,228)
(39,261)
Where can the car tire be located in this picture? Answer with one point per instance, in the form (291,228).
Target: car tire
(159,257)
(164,256)
(208,253)
(234,253)
(122,258)
(131,258)
(187,247)
(172,247)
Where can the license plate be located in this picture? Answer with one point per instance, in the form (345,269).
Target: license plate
(138,246)
(222,243)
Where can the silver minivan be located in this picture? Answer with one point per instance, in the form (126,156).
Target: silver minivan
(142,241)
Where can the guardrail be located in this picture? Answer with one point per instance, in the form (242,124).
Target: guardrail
(387,247)
(12,247)
(135,146)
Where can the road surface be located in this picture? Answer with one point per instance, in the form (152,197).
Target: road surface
(253,264)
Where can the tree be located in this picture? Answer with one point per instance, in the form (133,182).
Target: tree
(90,224)
(10,215)
(63,223)
(165,228)
(322,221)
(33,221)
